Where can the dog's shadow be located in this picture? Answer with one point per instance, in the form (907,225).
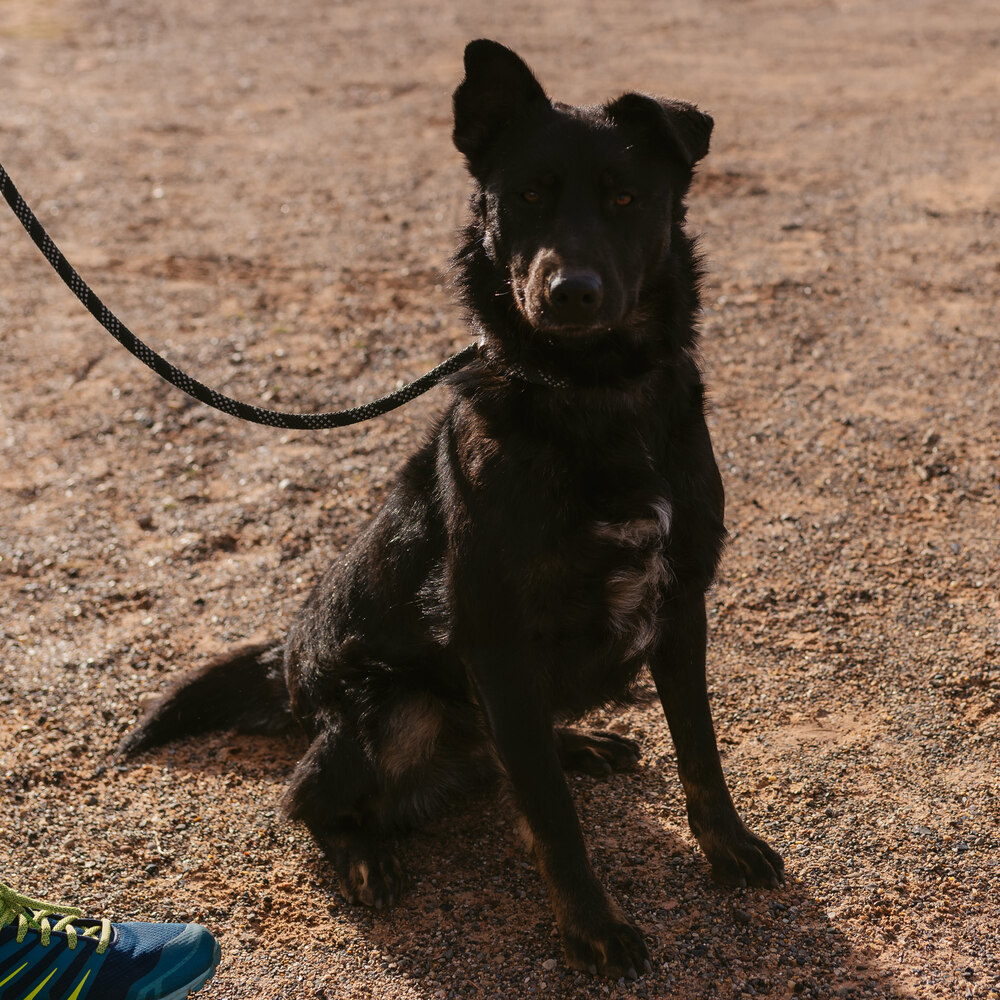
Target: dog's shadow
(475,918)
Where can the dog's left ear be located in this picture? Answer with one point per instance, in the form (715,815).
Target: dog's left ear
(498,88)
(680,128)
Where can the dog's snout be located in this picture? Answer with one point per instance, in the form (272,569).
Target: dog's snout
(575,295)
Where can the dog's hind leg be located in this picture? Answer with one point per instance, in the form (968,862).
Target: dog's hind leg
(333,791)
(595,751)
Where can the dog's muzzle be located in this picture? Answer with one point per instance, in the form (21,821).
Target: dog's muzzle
(573,296)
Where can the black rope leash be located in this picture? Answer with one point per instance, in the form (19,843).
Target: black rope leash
(183,381)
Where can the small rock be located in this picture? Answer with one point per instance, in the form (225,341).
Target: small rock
(549,964)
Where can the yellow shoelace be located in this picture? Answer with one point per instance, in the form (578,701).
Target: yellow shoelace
(34,914)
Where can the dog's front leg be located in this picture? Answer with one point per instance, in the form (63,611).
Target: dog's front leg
(737,856)
(596,934)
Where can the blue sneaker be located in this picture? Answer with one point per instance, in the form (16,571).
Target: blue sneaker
(50,952)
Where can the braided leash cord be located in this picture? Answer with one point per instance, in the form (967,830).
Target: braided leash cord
(183,381)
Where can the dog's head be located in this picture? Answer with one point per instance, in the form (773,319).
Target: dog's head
(576,206)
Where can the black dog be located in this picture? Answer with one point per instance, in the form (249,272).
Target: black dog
(556,533)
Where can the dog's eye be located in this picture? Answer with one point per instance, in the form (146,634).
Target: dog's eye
(531,196)
(623,198)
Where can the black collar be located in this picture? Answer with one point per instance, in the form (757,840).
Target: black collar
(530,374)
(522,371)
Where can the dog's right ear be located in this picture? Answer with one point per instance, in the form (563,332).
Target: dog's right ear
(498,88)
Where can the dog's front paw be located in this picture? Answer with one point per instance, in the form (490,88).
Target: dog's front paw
(738,857)
(608,945)
(370,874)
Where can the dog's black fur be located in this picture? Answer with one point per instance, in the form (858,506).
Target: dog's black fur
(557,532)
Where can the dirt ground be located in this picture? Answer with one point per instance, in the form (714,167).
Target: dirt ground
(268,193)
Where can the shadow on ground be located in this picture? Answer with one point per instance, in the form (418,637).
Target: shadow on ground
(475,916)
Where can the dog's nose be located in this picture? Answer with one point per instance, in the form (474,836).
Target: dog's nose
(575,295)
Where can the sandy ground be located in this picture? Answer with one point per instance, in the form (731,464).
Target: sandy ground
(269,194)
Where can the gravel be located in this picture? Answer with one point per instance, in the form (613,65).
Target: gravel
(268,193)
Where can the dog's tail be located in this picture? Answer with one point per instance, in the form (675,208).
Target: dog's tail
(244,689)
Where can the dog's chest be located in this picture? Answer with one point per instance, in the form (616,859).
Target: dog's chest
(639,574)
